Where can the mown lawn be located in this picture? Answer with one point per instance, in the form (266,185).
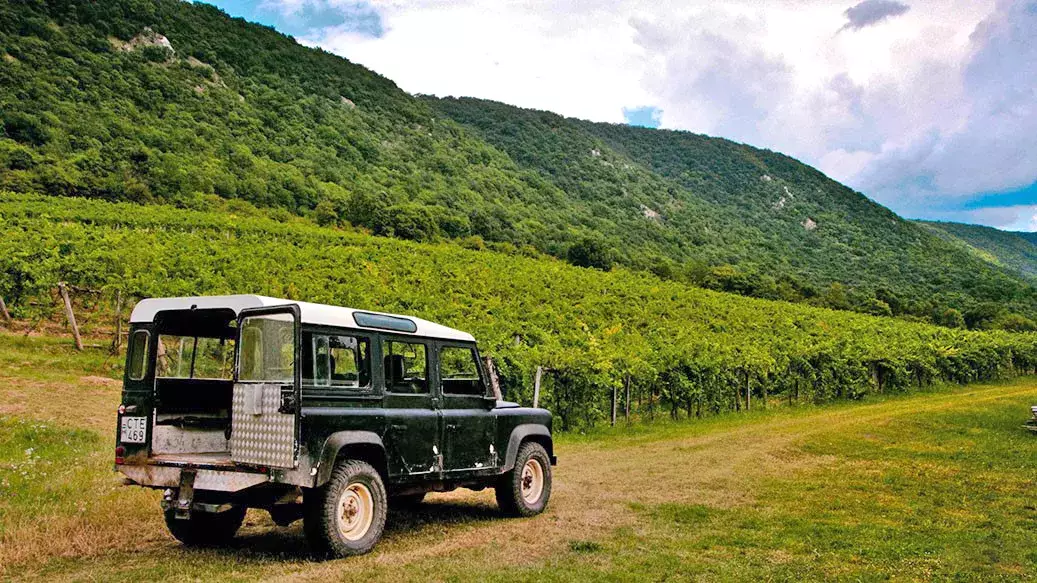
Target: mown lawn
(933,486)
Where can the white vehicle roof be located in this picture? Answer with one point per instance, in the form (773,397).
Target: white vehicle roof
(319,314)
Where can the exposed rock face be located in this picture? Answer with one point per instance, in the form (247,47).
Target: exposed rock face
(349,103)
(148,38)
(650,214)
(766,178)
(596,153)
(809,224)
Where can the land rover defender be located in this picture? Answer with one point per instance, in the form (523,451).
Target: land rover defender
(315,412)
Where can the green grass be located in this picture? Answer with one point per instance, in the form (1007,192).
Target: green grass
(932,486)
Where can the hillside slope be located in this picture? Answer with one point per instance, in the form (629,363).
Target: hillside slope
(1009,249)
(169,101)
(731,203)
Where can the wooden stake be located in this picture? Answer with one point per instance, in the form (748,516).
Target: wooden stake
(70,315)
(117,340)
(536,386)
(626,400)
(614,402)
(494,381)
(3,309)
(748,393)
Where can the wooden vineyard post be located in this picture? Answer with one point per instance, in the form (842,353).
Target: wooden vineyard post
(117,340)
(70,315)
(614,402)
(748,393)
(3,310)
(626,400)
(494,381)
(536,386)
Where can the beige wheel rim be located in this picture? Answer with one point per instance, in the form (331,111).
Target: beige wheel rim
(355,512)
(532,481)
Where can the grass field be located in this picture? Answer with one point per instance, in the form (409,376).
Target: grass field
(934,486)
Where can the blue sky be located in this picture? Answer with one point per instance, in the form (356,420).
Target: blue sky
(927,106)
(307,19)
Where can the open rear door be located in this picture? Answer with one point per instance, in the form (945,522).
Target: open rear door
(265,408)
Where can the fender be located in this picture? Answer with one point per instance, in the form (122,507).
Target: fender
(519,434)
(342,439)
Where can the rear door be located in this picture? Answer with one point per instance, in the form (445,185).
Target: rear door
(411,408)
(469,425)
(265,407)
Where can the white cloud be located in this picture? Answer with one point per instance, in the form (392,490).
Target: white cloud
(1012,218)
(917,108)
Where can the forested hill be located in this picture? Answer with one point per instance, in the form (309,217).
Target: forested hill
(788,230)
(1012,250)
(169,101)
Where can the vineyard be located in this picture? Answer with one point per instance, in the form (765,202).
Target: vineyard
(682,351)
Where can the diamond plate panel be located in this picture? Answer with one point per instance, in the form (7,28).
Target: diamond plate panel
(259,434)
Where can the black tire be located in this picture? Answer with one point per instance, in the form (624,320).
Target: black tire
(511,497)
(351,481)
(406,500)
(206,529)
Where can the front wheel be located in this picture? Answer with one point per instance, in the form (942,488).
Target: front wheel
(346,516)
(525,490)
(206,528)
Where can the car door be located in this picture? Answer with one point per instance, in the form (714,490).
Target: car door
(411,409)
(265,405)
(469,425)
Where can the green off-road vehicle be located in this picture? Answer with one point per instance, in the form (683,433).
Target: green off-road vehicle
(327,414)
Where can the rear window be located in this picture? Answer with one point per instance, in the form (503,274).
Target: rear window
(194,357)
(138,355)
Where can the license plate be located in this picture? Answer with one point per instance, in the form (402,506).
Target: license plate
(133,429)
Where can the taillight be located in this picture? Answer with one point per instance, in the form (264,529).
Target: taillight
(120,454)
(122,409)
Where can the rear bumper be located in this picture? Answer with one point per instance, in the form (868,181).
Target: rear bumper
(164,476)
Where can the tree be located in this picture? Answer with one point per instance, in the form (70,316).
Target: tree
(591,252)
(325,213)
(951,318)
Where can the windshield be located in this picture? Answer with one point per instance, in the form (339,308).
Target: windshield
(267,348)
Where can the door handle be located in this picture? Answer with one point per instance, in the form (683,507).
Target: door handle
(451,426)
(398,427)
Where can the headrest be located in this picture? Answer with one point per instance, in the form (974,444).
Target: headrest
(395,368)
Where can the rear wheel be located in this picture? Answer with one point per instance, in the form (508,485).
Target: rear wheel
(206,528)
(525,490)
(346,516)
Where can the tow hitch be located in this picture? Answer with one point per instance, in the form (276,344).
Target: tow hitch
(184,496)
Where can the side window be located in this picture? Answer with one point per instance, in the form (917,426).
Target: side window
(138,355)
(406,367)
(338,362)
(459,371)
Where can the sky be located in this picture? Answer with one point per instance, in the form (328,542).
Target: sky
(926,106)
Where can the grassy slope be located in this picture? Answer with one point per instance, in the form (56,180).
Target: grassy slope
(1015,251)
(932,486)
